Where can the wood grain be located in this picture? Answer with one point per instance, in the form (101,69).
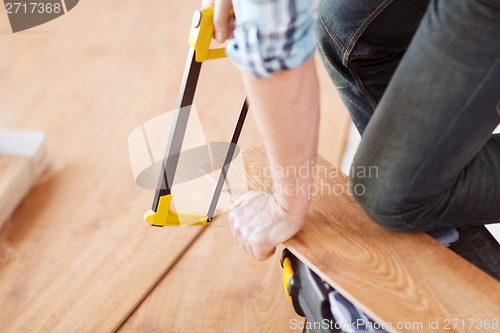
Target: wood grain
(21,165)
(395,277)
(15,183)
(216,287)
(80,257)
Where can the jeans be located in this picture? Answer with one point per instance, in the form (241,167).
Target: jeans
(421,80)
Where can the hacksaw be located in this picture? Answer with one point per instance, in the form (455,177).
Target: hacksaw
(161,214)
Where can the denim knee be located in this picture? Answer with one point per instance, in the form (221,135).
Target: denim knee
(380,197)
(361,43)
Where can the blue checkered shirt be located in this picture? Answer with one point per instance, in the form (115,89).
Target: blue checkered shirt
(272,35)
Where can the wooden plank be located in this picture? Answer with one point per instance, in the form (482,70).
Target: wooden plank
(78,256)
(213,280)
(216,287)
(22,161)
(14,184)
(398,278)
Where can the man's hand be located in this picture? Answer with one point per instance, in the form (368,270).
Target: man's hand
(285,107)
(223,21)
(259,223)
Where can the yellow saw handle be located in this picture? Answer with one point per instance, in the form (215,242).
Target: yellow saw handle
(288,273)
(200,37)
(201,34)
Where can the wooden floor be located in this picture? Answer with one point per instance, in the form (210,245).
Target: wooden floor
(76,255)
(408,282)
(22,162)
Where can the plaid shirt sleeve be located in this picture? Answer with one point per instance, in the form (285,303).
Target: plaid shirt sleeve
(272,35)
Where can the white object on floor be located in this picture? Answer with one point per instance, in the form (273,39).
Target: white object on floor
(20,143)
(351,146)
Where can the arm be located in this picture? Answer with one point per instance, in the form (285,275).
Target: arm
(285,106)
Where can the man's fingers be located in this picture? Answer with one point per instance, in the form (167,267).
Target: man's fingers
(235,224)
(245,197)
(256,225)
(207,3)
(232,23)
(223,22)
(222,25)
(261,256)
(260,247)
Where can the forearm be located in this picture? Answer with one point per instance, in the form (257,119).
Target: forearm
(286,109)
(273,43)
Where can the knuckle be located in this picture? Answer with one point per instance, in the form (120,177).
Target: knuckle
(261,255)
(236,227)
(232,216)
(235,215)
(244,236)
(258,242)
